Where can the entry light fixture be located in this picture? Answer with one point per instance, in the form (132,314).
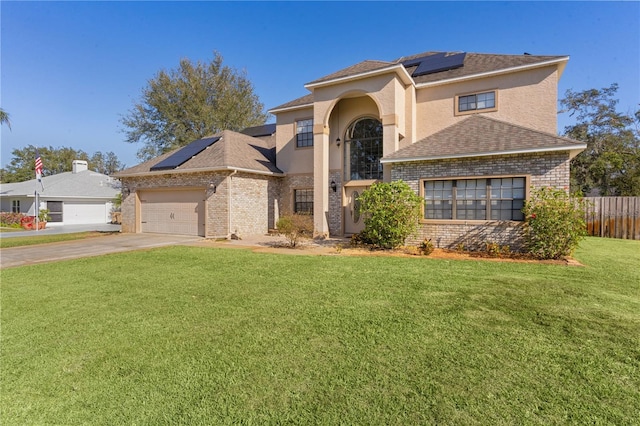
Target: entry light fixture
(333,184)
(213,187)
(338,142)
(126,191)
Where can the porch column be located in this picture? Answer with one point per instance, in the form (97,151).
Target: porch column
(320,180)
(390,141)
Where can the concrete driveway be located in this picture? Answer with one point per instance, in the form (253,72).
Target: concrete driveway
(95,246)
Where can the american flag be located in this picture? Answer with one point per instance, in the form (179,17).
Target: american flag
(38,167)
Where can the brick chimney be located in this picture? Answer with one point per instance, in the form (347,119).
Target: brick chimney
(80,166)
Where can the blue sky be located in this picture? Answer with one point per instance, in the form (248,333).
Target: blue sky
(70,70)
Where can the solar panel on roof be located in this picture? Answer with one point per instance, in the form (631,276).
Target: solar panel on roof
(435,63)
(181,156)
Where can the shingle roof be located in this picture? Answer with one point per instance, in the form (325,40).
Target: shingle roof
(479,63)
(304,100)
(481,136)
(84,184)
(232,151)
(264,130)
(359,68)
(474,64)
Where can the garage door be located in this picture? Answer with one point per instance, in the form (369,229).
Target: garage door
(83,213)
(172,212)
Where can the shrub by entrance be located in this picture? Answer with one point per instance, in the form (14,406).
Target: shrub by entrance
(391,213)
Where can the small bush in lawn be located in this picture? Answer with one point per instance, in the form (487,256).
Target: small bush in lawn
(391,212)
(295,227)
(496,250)
(493,249)
(10,220)
(426,247)
(555,223)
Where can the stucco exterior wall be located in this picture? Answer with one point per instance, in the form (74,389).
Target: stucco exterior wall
(527,98)
(289,158)
(543,169)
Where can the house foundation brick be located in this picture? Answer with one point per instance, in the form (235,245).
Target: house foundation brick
(543,169)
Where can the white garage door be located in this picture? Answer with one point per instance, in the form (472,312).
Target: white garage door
(172,212)
(83,213)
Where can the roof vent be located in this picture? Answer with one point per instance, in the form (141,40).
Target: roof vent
(80,166)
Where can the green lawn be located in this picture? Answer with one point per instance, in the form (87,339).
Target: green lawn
(191,335)
(44,239)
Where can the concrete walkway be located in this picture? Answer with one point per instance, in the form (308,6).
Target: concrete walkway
(96,246)
(117,242)
(64,229)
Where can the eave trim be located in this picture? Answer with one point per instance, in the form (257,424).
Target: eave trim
(404,76)
(290,108)
(561,60)
(573,148)
(203,170)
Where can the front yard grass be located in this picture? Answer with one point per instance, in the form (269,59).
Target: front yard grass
(192,335)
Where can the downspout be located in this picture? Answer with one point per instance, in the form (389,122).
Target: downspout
(229,204)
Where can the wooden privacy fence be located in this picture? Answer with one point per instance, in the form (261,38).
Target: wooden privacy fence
(614,217)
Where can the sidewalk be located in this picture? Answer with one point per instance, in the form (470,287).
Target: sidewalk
(64,229)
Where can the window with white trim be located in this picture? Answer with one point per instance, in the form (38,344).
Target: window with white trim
(477,101)
(304,133)
(475,199)
(15,206)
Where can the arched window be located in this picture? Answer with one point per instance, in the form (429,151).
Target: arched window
(363,149)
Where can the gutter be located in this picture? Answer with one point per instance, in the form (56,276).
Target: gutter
(573,149)
(187,171)
(406,78)
(291,108)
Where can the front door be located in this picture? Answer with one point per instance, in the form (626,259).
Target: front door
(353,222)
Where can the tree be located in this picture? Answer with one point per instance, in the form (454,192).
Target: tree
(191,102)
(611,162)
(106,163)
(391,212)
(54,161)
(4,118)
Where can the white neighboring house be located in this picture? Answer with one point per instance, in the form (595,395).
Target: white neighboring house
(78,197)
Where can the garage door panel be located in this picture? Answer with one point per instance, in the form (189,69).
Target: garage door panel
(172,212)
(83,213)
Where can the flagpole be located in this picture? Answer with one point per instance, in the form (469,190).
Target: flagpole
(37,208)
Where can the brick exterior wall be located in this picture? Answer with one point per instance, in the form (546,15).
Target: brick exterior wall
(253,199)
(253,204)
(544,169)
(335,204)
(289,184)
(305,181)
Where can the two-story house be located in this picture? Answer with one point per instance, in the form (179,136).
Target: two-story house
(470,133)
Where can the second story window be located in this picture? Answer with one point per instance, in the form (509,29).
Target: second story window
(476,101)
(304,133)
